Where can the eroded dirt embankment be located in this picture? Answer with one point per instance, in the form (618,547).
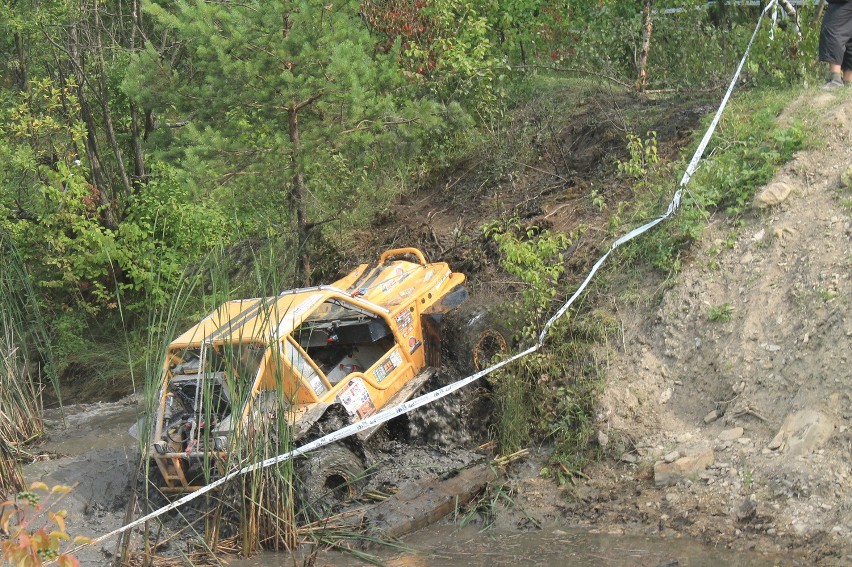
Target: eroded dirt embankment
(728,406)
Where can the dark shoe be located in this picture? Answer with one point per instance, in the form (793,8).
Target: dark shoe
(833,85)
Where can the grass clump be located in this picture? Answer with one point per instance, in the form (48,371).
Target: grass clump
(720,313)
(23,375)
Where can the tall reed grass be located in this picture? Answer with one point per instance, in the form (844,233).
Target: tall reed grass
(25,358)
(251,512)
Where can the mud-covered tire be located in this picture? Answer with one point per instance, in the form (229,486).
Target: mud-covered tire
(328,477)
(473,336)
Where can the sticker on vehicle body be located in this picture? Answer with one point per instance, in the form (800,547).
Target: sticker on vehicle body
(355,397)
(413,345)
(404,321)
(398,277)
(444,279)
(317,385)
(388,366)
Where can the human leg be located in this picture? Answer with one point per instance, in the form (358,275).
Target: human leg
(835,43)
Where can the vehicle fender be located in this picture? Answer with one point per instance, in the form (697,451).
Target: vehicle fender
(432,320)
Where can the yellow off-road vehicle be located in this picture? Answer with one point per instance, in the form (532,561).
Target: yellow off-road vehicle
(364,343)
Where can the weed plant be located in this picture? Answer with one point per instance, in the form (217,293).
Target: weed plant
(720,313)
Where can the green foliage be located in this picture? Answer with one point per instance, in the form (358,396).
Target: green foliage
(467,61)
(551,393)
(693,45)
(747,149)
(643,157)
(242,75)
(536,257)
(165,230)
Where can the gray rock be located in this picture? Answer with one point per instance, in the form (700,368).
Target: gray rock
(773,194)
(807,430)
(731,434)
(846,178)
(672,457)
(747,509)
(711,417)
(777,441)
(629,458)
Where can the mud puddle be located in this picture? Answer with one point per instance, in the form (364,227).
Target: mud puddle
(445,545)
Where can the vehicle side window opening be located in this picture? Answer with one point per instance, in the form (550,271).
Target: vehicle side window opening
(189,381)
(189,360)
(197,400)
(271,391)
(341,338)
(312,380)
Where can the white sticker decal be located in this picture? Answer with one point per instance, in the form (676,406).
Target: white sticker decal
(356,399)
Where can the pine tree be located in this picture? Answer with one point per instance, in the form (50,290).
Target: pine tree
(288,106)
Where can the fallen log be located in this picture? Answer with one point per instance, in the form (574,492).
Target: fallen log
(426,501)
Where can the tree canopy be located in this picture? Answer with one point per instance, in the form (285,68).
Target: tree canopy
(139,135)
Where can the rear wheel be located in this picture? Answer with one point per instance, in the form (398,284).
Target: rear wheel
(474,337)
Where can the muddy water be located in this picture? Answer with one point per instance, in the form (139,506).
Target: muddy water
(96,454)
(439,546)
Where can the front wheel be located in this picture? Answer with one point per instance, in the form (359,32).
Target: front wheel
(330,476)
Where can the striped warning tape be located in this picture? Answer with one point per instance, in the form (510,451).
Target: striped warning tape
(430,397)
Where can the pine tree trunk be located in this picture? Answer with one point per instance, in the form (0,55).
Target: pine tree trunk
(104,104)
(297,199)
(135,130)
(23,71)
(647,29)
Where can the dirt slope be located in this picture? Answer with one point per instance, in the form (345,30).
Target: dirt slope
(745,368)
